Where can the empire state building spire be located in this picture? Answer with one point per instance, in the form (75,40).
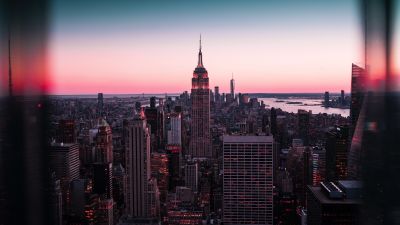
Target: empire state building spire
(200,61)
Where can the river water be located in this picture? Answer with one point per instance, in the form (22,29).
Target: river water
(315,105)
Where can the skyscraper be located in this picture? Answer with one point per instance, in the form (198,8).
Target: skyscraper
(174,130)
(337,145)
(100,104)
(64,161)
(200,143)
(104,147)
(358,79)
(326,99)
(216,94)
(304,125)
(137,167)
(66,131)
(233,87)
(192,175)
(247,180)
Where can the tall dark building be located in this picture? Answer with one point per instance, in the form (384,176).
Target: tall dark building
(304,125)
(153,102)
(102,179)
(273,121)
(334,203)
(342,99)
(138,169)
(200,142)
(66,131)
(337,145)
(358,79)
(248,180)
(232,85)
(326,99)
(216,94)
(100,104)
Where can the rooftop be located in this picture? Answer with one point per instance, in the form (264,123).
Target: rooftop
(247,139)
(324,199)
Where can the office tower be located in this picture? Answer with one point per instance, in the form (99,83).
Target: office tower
(318,165)
(342,100)
(192,175)
(200,142)
(77,197)
(232,85)
(217,95)
(55,204)
(105,214)
(326,99)
(337,145)
(66,131)
(358,80)
(103,140)
(100,104)
(137,156)
(304,125)
(229,98)
(211,96)
(334,203)
(153,198)
(159,170)
(247,180)
(64,161)
(174,129)
(102,179)
(138,106)
(153,102)
(265,124)
(273,121)
(152,120)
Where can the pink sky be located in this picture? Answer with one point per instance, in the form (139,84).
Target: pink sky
(260,63)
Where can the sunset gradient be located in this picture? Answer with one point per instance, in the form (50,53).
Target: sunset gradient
(269,46)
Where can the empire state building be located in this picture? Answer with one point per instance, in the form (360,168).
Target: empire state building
(200,142)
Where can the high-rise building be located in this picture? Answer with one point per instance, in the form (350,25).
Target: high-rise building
(358,79)
(153,102)
(66,131)
(55,204)
(100,104)
(273,121)
(102,180)
(137,167)
(174,129)
(232,85)
(342,99)
(216,94)
(247,180)
(192,175)
(200,143)
(337,145)
(304,125)
(104,145)
(105,212)
(64,161)
(326,99)
(334,203)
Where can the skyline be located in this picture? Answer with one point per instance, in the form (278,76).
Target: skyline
(262,44)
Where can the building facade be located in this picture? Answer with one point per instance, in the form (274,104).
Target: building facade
(137,167)
(200,143)
(247,180)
